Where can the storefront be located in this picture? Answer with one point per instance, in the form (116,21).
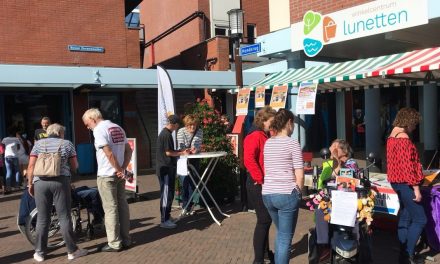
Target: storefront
(125,96)
(377,57)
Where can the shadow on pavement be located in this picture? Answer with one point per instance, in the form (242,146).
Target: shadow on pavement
(11,197)
(18,257)
(299,247)
(8,233)
(6,217)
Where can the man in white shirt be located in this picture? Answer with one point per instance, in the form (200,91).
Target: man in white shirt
(113,153)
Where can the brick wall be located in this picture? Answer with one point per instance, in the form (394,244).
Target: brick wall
(38,32)
(256,12)
(299,7)
(185,37)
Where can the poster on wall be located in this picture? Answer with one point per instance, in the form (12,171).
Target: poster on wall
(132,166)
(306,99)
(233,138)
(279,97)
(260,95)
(243,101)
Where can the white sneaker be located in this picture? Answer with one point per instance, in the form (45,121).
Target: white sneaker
(168,224)
(80,252)
(38,257)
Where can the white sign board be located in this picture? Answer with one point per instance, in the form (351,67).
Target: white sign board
(305,101)
(344,208)
(317,30)
(132,166)
(386,201)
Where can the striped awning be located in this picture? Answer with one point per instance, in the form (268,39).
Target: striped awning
(384,71)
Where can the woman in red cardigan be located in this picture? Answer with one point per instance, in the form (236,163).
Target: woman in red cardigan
(405,174)
(253,146)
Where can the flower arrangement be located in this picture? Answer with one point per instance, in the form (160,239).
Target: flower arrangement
(224,181)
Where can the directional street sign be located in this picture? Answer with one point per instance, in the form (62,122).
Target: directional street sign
(251,49)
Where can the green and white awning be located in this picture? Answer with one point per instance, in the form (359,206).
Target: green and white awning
(384,71)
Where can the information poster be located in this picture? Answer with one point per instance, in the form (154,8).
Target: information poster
(279,96)
(132,166)
(305,101)
(233,138)
(243,101)
(260,93)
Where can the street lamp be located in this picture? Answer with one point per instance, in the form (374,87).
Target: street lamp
(236,32)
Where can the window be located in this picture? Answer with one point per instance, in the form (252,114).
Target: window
(132,19)
(251,33)
(220,31)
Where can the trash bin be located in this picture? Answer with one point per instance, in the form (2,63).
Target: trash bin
(86,158)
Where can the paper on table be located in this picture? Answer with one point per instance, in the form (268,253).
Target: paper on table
(344,208)
(182,166)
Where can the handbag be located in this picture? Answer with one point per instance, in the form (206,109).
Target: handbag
(48,164)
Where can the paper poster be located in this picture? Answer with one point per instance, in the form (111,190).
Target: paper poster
(243,101)
(305,101)
(132,166)
(344,208)
(279,97)
(233,138)
(260,95)
(182,166)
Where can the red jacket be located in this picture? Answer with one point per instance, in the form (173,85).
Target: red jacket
(253,147)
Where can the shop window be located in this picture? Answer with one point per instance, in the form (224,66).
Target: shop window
(251,33)
(109,105)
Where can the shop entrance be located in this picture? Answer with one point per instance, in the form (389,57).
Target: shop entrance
(25,110)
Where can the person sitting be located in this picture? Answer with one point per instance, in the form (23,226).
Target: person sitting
(340,157)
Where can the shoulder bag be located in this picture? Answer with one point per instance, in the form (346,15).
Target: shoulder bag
(48,164)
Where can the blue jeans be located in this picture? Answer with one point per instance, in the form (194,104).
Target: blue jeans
(283,209)
(12,168)
(412,218)
(186,192)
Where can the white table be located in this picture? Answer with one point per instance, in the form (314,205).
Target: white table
(200,186)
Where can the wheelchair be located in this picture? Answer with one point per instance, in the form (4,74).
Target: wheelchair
(55,239)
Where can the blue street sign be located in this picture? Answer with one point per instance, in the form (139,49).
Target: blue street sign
(86,48)
(251,49)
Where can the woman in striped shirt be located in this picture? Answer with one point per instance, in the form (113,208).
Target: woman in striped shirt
(189,137)
(283,181)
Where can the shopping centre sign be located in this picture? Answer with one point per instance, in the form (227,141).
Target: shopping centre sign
(316,30)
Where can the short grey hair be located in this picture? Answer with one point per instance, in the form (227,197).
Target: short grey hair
(92,113)
(55,130)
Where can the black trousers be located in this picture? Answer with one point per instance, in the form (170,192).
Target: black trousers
(167,177)
(261,232)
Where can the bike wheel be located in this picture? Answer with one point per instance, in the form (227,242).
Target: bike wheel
(55,239)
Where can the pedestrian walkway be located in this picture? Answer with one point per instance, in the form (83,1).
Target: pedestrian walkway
(197,239)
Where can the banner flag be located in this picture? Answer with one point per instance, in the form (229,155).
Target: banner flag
(165,99)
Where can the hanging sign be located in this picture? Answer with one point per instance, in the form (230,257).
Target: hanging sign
(243,101)
(132,166)
(260,95)
(375,17)
(279,96)
(305,101)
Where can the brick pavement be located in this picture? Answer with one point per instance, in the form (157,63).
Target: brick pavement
(197,239)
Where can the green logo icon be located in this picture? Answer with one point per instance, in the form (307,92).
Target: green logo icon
(311,20)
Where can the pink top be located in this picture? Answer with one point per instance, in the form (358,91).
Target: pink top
(282,155)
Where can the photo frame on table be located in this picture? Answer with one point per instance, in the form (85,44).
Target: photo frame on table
(233,138)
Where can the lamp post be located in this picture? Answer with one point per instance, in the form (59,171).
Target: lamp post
(236,32)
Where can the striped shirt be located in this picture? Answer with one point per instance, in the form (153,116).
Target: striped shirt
(51,145)
(282,155)
(184,139)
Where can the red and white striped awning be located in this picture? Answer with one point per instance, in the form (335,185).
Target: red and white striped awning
(411,62)
(385,71)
